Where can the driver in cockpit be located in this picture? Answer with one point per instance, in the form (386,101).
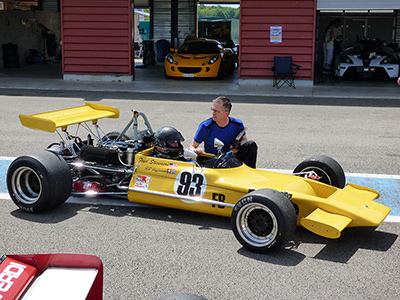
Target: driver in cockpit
(168,143)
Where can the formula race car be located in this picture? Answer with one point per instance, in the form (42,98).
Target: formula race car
(51,276)
(264,207)
(369,58)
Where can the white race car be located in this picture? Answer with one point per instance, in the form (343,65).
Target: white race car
(369,58)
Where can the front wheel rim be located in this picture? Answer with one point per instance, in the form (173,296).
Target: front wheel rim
(26,185)
(257,225)
(325,178)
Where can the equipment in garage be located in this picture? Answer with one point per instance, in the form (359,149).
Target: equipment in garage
(149,54)
(10,55)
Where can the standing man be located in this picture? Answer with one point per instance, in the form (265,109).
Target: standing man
(226,129)
(332,44)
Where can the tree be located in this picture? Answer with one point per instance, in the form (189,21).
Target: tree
(225,12)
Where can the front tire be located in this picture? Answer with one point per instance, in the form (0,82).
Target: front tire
(326,168)
(39,181)
(263,220)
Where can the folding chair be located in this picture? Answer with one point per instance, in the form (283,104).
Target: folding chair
(284,71)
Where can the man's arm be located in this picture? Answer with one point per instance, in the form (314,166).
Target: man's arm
(194,147)
(243,139)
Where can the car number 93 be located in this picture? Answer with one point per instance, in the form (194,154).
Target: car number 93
(190,183)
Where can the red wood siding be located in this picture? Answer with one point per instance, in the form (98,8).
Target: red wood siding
(297,19)
(96,37)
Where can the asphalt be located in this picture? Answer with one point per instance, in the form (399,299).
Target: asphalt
(150,82)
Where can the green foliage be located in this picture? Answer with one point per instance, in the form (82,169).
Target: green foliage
(218,11)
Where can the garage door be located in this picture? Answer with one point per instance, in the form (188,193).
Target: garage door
(354,5)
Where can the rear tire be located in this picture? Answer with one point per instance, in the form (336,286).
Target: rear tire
(39,181)
(328,169)
(114,134)
(263,220)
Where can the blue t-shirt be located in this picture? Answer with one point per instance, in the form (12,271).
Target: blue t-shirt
(209,130)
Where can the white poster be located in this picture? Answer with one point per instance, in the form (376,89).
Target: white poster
(276,34)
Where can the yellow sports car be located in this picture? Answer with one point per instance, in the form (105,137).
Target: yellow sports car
(264,207)
(200,58)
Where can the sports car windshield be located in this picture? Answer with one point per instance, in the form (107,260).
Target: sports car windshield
(199,48)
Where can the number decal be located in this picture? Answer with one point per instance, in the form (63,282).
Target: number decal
(188,183)
(184,183)
(197,179)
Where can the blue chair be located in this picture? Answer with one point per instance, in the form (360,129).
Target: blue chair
(284,71)
(162,49)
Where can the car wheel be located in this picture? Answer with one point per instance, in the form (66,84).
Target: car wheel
(232,67)
(166,76)
(220,72)
(263,220)
(114,134)
(325,168)
(39,181)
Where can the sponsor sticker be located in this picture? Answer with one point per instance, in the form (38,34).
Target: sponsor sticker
(142,182)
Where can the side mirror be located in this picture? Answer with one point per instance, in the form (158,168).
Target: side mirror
(219,145)
(189,155)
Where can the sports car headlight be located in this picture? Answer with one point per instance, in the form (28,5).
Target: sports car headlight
(213,60)
(386,60)
(170,59)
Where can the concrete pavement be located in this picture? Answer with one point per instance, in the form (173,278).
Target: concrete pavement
(151,81)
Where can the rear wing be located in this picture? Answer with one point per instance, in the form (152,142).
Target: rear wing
(50,121)
(51,276)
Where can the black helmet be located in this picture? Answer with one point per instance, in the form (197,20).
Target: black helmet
(163,139)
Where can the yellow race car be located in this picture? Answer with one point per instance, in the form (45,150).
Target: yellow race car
(264,207)
(203,58)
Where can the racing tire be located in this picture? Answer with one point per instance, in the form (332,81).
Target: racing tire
(114,134)
(39,181)
(263,220)
(328,170)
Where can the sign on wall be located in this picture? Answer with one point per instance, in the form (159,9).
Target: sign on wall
(275,34)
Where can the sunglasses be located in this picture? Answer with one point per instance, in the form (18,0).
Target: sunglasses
(217,111)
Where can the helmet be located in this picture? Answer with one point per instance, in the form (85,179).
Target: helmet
(163,140)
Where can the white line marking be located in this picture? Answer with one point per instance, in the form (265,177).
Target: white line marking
(385,176)
(7,158)
(121,202)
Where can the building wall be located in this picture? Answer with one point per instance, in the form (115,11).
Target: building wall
(257,52)
(97,37)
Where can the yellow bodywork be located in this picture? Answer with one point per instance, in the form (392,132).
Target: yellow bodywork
(196,62)
(199,63)
(323,209)
(50,121)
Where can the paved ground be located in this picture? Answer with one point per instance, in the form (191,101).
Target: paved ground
(150,252)
(151,82)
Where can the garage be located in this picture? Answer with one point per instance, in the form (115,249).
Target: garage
(97,35)
(368,28)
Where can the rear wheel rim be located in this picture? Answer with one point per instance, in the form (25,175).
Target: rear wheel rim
(257,225)
(26,185)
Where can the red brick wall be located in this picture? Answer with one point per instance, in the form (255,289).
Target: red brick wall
(96,37)
(297,19)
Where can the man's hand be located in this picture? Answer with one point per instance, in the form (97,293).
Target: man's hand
(398,81)
(195,148)
(198,150)
(233,150)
